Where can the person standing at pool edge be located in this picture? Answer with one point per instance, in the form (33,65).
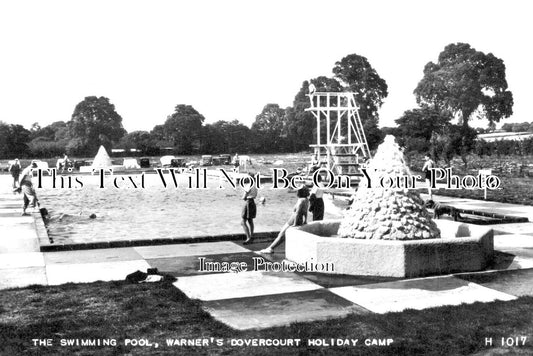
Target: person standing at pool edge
(26,187)
(428,166)
(314,165)
(236,162)
(15,169)
(249,211)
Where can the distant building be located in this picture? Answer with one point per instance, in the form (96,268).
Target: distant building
(166,150)
(505,136)
(123,151)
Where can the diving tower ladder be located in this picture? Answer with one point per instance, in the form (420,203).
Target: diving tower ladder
(341,144)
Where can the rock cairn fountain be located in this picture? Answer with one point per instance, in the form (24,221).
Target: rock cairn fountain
(394,213)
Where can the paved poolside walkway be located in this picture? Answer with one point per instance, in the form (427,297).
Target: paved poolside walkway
(257,299)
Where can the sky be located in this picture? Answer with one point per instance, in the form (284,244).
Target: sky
(229,58)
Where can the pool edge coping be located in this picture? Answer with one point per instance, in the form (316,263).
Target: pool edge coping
(50,247)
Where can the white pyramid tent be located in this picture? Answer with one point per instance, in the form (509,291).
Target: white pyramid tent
(101,160)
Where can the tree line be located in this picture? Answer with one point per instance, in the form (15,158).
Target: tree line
(95,122)
(518,127)
(464,83)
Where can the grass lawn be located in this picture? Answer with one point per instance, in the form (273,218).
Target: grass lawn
(159,311)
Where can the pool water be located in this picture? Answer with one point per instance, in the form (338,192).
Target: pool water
(155,211)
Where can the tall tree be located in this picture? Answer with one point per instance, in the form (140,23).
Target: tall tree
(94,122)
(455,140)
(212,139)
(268,127)
(416,127)
(13,140)
(299,129)
(49,141)
(139,140)
(423,122)
(54,131)
(234,136)
(183,128)
(465,81)
(358,76)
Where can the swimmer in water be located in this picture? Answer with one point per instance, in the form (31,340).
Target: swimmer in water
(47,217)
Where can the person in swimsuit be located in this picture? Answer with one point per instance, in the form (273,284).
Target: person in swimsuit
(26,188)
(428,166)
(298,218)
(249,212)
(316,202)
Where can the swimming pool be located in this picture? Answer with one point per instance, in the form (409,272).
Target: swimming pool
(154,211)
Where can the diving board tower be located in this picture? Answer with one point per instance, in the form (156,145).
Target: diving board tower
(342,148)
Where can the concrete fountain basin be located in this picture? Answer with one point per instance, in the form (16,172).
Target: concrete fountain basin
(461,248)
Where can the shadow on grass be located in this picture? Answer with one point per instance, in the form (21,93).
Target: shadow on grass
(105,311)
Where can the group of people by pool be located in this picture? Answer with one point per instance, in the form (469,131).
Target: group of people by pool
(307,200)
(22,184)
